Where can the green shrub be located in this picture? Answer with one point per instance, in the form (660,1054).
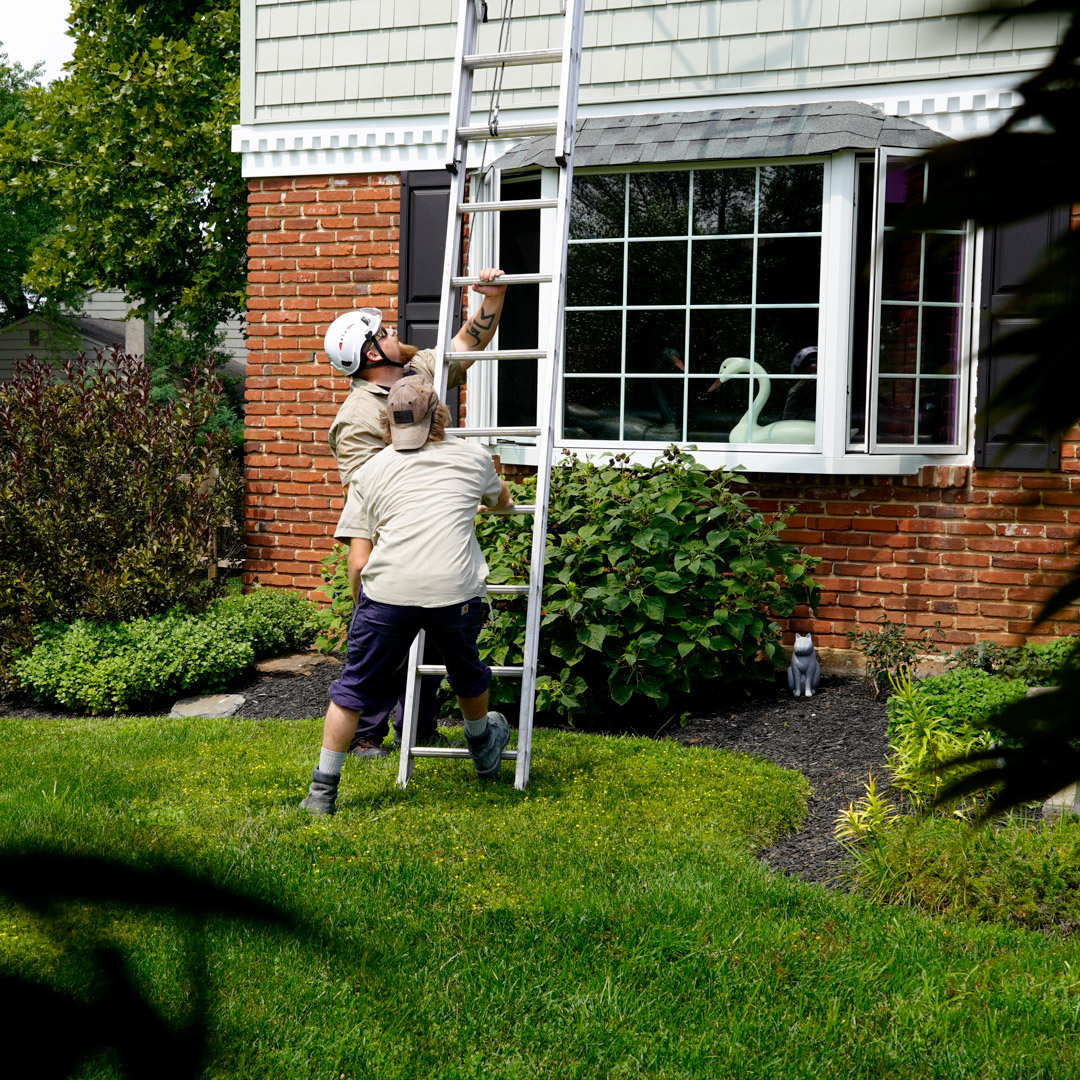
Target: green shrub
(119,667)
(275,621)
(1019,873)
(963,698)
(923,734)
(658,580)
(1036,665)
(333,620)
(110,504)
(889,652)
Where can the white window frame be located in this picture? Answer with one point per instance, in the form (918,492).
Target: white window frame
(875,447)
(830,454)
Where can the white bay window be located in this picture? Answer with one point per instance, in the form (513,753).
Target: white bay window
(777,314)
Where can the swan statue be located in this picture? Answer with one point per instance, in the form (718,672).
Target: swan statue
(747,430)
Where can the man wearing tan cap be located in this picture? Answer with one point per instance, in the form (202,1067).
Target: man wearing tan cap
(424,571)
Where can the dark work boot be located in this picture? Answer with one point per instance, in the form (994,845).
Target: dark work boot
(322,795)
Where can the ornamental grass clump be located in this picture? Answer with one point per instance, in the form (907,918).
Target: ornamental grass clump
(660,580)
(110,504)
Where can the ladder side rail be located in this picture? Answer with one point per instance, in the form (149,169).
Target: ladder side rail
(412,706)
(547,403)
(568,85)
(461,91)
(564,156)
(451,301)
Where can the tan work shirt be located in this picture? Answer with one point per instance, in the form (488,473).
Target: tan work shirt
(419,507)
(357,432)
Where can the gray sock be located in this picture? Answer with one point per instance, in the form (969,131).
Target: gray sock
(476,727)
(330,762)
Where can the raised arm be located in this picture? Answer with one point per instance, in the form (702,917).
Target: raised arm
(477,333)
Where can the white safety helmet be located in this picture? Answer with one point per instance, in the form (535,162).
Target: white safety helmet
(347,339)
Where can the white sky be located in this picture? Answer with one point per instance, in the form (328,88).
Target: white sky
(33,30)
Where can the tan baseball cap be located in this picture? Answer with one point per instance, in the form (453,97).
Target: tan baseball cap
(410,409)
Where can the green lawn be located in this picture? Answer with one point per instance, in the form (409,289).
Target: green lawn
(609,922)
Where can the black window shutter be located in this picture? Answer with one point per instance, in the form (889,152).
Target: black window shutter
(425,198)
(1010,252)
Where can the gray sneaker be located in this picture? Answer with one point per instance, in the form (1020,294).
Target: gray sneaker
(364,748)
(485,750)
(322,795)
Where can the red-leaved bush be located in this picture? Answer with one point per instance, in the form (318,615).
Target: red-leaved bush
(109,503)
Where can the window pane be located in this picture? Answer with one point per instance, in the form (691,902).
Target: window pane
(714,336)
(937,179)
(942,274)
(654,410)
(656,273)
(727,406)
(597,207)
(776,420)
(654,341)
(789,271)
(896,410)
(937,411)
(781,334)
(659,204)
(940,341)
(793,399)
(722,272)
(591,408)
(904,186)
(900,264)
(723,201)
(594,275)
(713,412)
(899,339)
(593,341)
(790,198)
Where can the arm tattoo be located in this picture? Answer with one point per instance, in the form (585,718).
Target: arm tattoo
(482,320)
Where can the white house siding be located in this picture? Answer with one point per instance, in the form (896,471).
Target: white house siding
(321,60)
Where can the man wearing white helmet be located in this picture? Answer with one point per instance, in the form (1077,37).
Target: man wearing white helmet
(361,346)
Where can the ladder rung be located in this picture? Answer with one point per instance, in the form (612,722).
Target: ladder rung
(502,354)
(508,204)
(493,432)
(440,669)
(506,279)
(516,132)
(512,59)
(455,751)
(508,590)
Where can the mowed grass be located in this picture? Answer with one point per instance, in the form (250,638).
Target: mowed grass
(609,922)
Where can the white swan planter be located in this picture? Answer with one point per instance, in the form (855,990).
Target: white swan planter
(747,430)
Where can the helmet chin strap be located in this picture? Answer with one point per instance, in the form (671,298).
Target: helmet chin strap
(372,340)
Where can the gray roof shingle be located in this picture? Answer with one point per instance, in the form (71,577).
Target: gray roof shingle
(763,131)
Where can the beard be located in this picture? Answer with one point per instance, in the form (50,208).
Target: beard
(407,351)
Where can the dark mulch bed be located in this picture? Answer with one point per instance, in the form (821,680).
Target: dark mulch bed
(834,739)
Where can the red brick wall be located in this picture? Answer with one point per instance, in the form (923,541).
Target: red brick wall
(976,550)
(318,246)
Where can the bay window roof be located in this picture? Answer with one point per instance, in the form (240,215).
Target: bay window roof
(759,131)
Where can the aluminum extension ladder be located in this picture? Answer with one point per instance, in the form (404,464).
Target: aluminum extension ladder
(461,132)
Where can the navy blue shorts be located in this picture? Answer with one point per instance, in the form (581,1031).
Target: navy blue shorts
(379,639)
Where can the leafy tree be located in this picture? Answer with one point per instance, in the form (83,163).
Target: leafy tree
(24,222)
(131,148)
(1025,167)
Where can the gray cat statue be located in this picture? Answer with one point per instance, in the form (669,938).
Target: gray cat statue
(803,673)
